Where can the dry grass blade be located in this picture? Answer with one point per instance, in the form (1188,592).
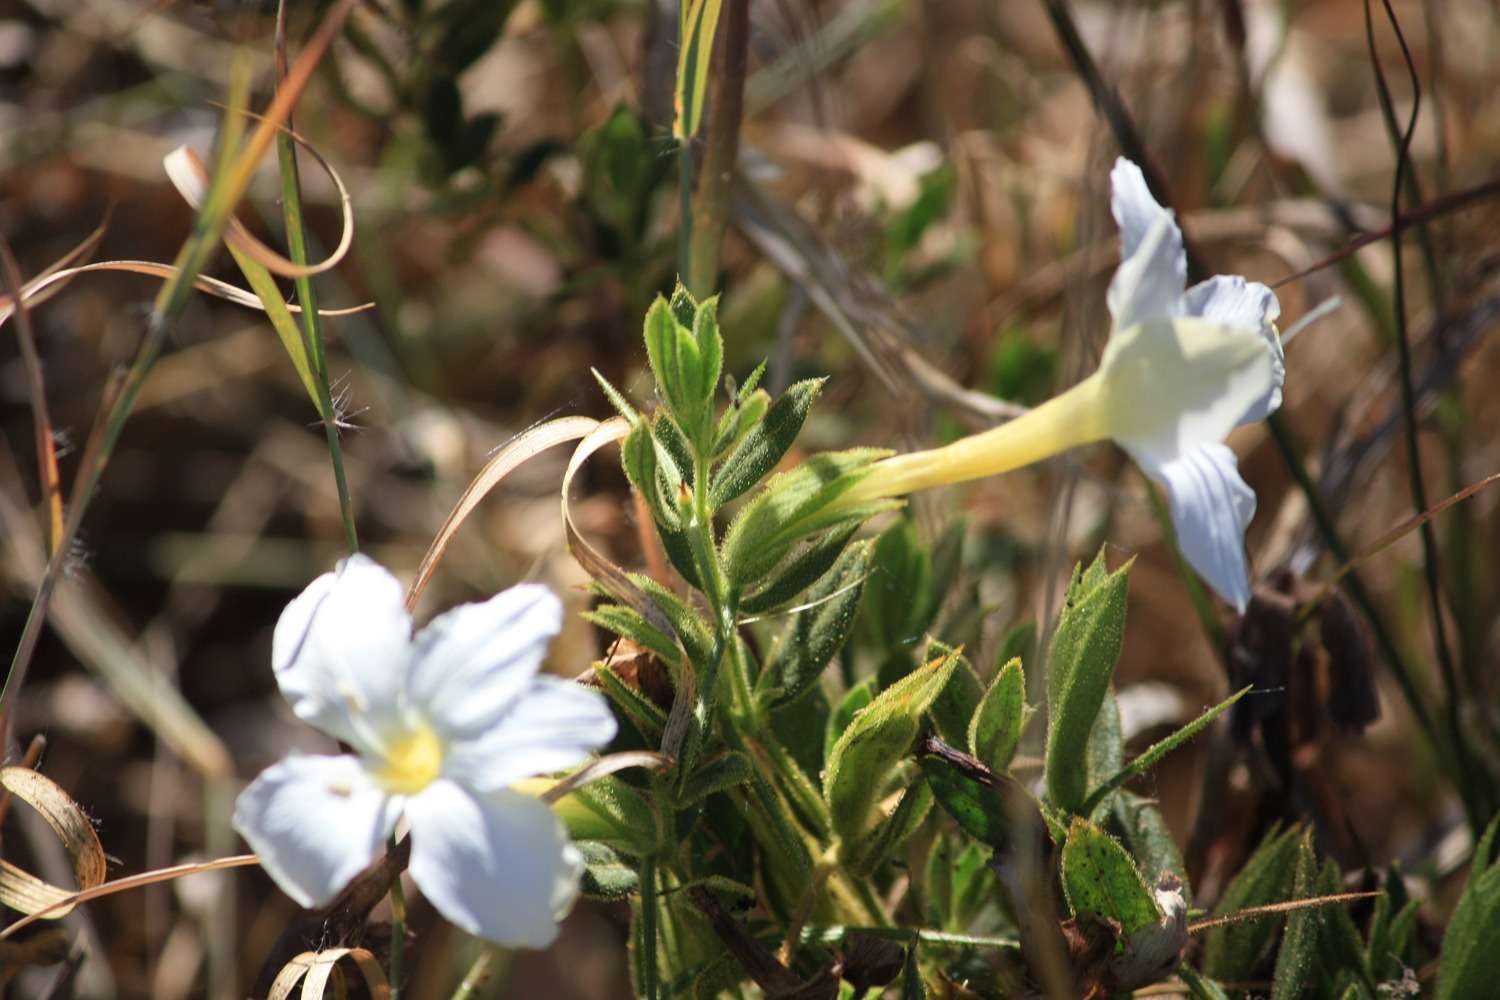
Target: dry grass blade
(48,478)
(39,290)
(603,767)
(611,577)
(127,883)
(1399,531)
(315,969)
(23,891)
(858,306)
(188,175)
(525,445)
(85,247)
(1275,909)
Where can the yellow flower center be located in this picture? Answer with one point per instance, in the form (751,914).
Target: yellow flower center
(412,762)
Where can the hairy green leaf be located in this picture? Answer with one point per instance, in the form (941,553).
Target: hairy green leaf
(802,570)
(877,738)
(996,726)
(793,505)
(1470,961)
(898,602)
(714,774)
(1299,945)
(1079,668)
(606,876)
(765,444)
(1233,951)
(819,630)
(1100,877)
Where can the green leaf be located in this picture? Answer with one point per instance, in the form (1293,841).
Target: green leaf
(1079,667)
(1339,939)
(632,625)
(955,707)
(854,700)
(938,880)
(973,883)
(898,602)
(612,813)
(1470,962)
(802,571)
(793,505)
(739,418)
(817,632)
(877,738)
(980,809)
(1299,945)
(654,479)
(700,22)
(996,726)
(673,353)
(800,727)
(691,629)
(710,358)
(765,444)
(1144,830)
(714,774)
(635,706)
(1161,748)
(1099,877)
(606,876)
(1200,987)
(1106,752)
(616,399)
(888,836)
(1232,952)
(1019,642)
(620,169)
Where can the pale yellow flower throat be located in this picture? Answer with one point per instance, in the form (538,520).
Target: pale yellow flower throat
(412,761)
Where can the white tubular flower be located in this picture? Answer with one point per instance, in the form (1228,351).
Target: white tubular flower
(442,726)
(1182,368)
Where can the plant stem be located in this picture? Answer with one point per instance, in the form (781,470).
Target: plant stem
(490,959)
(398,928)
(312,327)
(649,988)
(710,204)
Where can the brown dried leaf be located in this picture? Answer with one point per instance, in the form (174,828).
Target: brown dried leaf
(315,969)
(22,891)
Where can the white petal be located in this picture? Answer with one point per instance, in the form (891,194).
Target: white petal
(342,647)
(1233,301)
(315,822)
(553,725)
(1211,507)
(497,865)
(1153,266)
(1171,386)
(474,661)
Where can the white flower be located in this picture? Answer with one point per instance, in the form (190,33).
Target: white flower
(1179,442)
(1182,368)
(442,725)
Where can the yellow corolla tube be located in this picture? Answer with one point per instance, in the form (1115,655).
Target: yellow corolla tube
(1182,369)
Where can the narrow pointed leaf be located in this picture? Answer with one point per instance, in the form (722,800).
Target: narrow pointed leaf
(877,738)
(995,730)
(1079,669)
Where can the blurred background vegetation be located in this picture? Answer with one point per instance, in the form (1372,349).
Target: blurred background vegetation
(920,210)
